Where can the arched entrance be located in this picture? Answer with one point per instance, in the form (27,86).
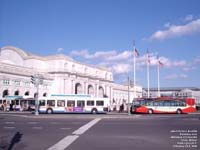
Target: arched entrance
(26,93)
(78,88)
(16,93)
(5,93)
(90,90)
(101,91)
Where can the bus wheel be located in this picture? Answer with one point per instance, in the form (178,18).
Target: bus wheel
(49,111)
(94,111)
(179,111)
(150,111)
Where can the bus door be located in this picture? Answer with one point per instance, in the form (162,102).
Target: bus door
(70,105)
(80,106)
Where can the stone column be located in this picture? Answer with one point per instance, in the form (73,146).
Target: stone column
(72,87)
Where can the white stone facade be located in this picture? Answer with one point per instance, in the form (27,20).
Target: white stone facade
(61,74)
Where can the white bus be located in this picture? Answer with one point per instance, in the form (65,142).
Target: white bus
(17,103)
(76,103)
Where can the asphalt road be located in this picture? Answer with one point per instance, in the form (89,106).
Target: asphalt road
(97,132)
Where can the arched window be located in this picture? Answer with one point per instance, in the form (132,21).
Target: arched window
(90,90)
(16,93)
(44,95)
(35,95)
(101,91)
(26,93)
(5,93)
(78,88)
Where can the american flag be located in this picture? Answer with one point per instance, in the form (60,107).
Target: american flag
(148,57)
(160,63)
(136,52)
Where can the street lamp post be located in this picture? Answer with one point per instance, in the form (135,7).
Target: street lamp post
(128,96)
(37,80)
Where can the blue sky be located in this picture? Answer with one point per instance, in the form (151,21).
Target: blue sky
(101,32)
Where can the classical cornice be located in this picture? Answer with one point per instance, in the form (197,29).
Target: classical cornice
(26,55)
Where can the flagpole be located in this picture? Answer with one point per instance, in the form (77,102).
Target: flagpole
(147,74)
(134,69)
(158,78)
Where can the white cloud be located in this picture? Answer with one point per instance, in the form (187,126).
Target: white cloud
(59,50)
(167,25)
(121,68)
(197,60)
(99,54)
(188,18)
(121,56)
(175,76)
(177,30)
(190,68)
(122,62)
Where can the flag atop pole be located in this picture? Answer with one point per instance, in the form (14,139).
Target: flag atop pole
(135,54)
(160,64)
(148,61)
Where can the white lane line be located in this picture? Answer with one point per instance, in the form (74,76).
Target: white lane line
(32,122)
(84,128)
(65,128)
(64,143)
(76,123)
(9,127)
(37,128)
(54,123)
(10,122)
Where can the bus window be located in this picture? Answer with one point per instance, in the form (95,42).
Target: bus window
(70,103)
(167,103)
(155,103)
(90,103)
(181,103)
(173,103)
(51,102)
(42,102)
(99,103)
(80,103)
(61,103)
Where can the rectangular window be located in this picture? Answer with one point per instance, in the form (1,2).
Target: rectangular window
(42,102)
(61,103)
(27,84)
(99,103)
(70,103)
(17,83)
(90,103)
(80,103)
(51,102)
(6,82)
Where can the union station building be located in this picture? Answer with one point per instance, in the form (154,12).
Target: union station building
(61,75)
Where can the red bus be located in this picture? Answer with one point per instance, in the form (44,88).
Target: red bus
(164,105)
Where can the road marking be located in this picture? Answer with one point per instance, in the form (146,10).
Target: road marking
(9,127)
(9,122)
(84,128)
(37,128)
(65,128)
(66,141)
(32,122)
(54,123)
(76,123)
